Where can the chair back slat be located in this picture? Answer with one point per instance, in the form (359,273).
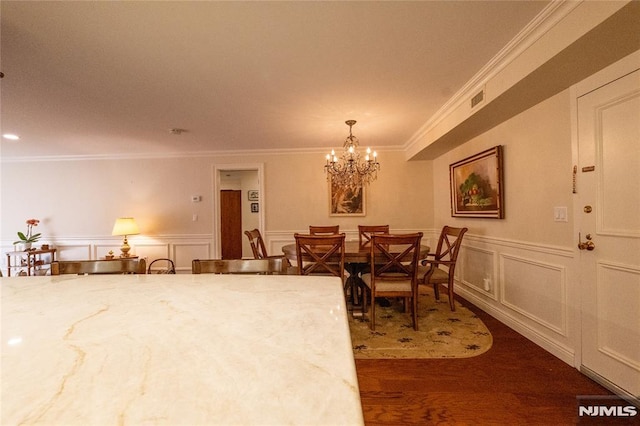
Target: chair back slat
(395,257)
(270,266)
(366,231)
(91,267)
(449,243)
(320,254)
(324,230)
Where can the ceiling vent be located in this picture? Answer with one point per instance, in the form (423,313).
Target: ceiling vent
(477,99)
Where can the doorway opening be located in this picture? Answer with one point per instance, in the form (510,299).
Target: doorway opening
(238,193)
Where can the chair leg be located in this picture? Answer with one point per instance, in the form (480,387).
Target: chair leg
(451,301)
(436,291)
(372,320)
(414,311)
(363,300)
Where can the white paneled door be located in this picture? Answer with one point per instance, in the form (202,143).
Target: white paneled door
(608,188)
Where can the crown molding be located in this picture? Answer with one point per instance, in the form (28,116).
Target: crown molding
(530,34)
(186,154)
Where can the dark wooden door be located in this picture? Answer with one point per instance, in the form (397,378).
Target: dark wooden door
(231,224)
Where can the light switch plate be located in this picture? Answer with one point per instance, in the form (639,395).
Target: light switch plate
(560,214)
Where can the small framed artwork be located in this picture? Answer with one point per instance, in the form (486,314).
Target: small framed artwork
(476,185)
(344,201)
(255,208)
(253,195)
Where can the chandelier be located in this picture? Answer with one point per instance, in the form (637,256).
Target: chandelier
(348,171)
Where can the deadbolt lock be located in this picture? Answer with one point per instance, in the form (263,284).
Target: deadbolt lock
(588,209)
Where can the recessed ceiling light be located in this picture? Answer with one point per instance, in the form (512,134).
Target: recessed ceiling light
(11,136)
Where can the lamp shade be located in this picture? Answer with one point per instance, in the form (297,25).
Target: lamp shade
(125,226)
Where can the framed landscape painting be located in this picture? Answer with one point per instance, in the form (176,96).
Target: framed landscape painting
(476,185)
(345,201)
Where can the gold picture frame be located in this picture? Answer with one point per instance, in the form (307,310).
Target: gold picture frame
(477,185)
(346,201)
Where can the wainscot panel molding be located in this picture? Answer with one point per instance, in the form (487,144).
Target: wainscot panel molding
(521,245)
(536,290)
(182,249)
(477,270)
(184,253)
(528,288)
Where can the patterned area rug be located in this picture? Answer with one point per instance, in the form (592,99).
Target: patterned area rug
(442,333)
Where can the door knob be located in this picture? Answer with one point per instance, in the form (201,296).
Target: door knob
(587,245)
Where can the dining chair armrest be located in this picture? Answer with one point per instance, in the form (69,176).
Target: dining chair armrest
(434,263)
(426,260)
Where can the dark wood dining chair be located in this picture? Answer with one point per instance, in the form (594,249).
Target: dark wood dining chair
(91,267)
(394,266)
(366,231)
(440,267)
(320,254)
(364,238)
(324,230)
(260,251)
(269,266)
(257,244)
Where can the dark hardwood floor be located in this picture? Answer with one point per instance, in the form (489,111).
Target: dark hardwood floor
(514,383)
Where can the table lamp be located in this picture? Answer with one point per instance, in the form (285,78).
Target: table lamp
(125,226)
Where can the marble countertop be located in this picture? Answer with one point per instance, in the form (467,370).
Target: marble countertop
(176,349)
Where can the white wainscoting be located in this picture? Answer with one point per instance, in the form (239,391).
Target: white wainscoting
(528,288)
(181,249)
(477,270)
(536,290)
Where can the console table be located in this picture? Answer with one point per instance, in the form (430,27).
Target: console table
(30,260)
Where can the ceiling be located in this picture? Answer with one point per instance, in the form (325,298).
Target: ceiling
(112,78)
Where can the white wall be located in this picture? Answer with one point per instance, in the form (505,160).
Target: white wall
(537,175)
(79,200)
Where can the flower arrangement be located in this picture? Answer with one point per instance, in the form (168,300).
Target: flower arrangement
(29,237)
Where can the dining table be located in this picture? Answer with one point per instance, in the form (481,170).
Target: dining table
(357,257)
(196,349)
